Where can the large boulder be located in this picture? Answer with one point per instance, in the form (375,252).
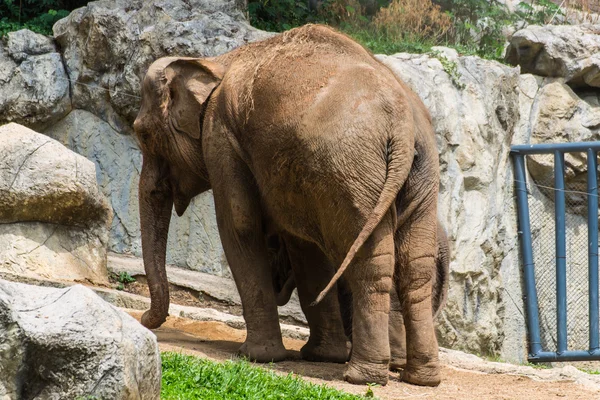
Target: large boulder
(68,344)
(475,108)
(53,217)
(109,44)
(34,86)
(568,51)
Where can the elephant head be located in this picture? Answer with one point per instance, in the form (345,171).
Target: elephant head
(175,95)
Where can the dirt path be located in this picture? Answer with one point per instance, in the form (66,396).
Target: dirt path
(218,341)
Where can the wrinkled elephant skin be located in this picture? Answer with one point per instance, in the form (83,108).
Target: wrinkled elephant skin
(308,136)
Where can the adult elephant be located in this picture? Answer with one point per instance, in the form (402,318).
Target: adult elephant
(308,134)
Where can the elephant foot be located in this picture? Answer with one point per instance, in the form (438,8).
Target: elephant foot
(153,320)
(424,375)
(337,353)
(363,373)
(397,363)
(264,352)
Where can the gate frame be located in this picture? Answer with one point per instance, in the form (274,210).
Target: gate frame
(518,153)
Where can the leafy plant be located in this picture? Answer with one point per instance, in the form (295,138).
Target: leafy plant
(538,12)
(123,278)
(36,15)
(369,394)
(280,15)
(420,19)
(479,25)
(451,68)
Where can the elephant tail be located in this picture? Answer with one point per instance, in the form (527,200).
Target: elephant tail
(399,158)
(442,275)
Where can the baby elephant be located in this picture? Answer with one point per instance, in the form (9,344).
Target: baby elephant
(284,285)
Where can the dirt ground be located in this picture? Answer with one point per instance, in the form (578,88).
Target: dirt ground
(218,341)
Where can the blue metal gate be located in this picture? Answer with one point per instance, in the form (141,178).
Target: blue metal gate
(537,350)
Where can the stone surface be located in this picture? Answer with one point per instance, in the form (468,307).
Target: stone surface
(216,287)
(108,45)
(560,115)
(568,51)
(53,218)
(34,87)
(475,127)
(68,343)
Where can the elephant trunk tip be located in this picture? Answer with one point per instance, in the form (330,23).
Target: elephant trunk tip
(152,320)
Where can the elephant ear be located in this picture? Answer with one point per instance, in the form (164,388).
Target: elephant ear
(190,82)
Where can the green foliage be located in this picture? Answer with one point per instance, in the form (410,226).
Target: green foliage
(451,69)
(280,15)
(589,371)
(195,378)
(479,25)
(369,394)
(539,12)
(380,43)
(122,279)
(125,278)
(36,15)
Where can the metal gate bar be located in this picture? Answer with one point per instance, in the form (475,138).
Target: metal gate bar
(536,353)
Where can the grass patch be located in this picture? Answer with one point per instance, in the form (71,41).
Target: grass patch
(379,43)
(589,371)
(188,377)
(538,366)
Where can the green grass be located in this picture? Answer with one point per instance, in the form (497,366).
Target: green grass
(538,366)
(589,371)
(188,377)
(379,43)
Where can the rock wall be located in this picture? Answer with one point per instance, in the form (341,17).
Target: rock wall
(107,47)
(479,109)
(476,117)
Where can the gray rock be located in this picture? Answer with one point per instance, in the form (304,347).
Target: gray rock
(25,43)
(34,87)
(67,343)
(567,51)
(476,118)
(41,180)
(109,45)
(51,209)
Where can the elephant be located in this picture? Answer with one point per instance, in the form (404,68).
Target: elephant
(306,134)
(284,285)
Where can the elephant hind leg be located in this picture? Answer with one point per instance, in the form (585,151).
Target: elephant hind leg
(397,333)
(370,279)
(414,287)
(312,271)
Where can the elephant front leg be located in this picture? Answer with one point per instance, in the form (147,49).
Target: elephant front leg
(239,218)
(248,259)
(312,271)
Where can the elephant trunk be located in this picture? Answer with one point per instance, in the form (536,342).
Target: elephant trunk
(156,203)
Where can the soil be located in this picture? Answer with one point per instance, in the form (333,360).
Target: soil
(218,341)
(179,295)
